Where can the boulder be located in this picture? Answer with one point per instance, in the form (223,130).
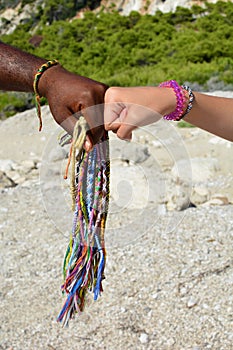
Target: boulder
(199,195)
(6,165)
(129,152)
(5,181)
(197,170)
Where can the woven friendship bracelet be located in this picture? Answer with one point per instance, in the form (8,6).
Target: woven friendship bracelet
(85,257)
(180,100)
(37,77)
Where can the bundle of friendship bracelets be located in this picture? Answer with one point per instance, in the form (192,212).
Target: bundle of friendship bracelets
(84,262)
(85,258)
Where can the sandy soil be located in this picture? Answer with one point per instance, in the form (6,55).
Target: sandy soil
(169,273)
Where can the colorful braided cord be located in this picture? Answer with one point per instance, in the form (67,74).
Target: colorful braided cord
(37,77)
(86,255)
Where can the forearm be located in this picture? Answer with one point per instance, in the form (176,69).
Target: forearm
(17,69)
(213,114)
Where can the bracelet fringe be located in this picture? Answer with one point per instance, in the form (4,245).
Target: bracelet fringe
(85,257)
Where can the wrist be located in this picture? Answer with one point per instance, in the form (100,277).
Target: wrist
(167,100)
(48,79)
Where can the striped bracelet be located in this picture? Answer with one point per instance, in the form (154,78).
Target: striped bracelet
(37,77)
(191,100)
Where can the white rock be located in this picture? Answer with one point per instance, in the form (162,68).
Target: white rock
(25,166)
(199,195)
(214,201)
(14,176)
(195,169)
(170,342)
(132,152)
(192,302)
(165,6)
(221,197)
(144,338)
(6,165)
(5,181)
(183,291)
(179,203)
(4,210)
(128,187)
(155,296)
(161,210)
(28,165)
(20,180)
(57,153)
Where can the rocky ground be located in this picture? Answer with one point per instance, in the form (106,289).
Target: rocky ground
(169,274)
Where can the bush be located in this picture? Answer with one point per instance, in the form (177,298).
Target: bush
(14,102)
(188,45)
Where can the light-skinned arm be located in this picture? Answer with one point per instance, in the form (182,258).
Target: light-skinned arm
(129,108)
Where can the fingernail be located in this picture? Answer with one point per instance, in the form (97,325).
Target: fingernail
(87,145)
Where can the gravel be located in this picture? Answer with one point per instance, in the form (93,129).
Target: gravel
(169,274)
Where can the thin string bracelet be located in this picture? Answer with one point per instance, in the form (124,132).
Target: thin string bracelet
(37,77)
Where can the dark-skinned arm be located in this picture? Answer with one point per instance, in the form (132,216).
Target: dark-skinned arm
(67,93)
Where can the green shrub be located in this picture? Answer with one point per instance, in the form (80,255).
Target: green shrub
(189,45)
(184,124)
(13,102)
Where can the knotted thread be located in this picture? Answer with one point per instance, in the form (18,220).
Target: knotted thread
(37,77)
(85,257)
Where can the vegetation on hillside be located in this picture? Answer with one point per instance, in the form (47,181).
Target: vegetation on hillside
(193,45)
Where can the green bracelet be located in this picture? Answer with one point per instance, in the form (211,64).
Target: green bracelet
(40,71)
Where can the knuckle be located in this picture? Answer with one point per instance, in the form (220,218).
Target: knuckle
(86,95)
(107,126)
(110,94)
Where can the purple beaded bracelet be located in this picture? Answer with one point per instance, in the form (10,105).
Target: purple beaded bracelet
(181,101)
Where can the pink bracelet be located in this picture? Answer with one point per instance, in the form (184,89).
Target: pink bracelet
(181,100)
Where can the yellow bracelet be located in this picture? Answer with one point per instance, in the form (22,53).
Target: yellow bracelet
(38,74)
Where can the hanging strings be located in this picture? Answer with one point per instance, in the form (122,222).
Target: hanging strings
(85,257)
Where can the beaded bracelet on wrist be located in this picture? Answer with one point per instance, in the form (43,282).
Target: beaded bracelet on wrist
(180,100)
(184,100)
(191,100)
